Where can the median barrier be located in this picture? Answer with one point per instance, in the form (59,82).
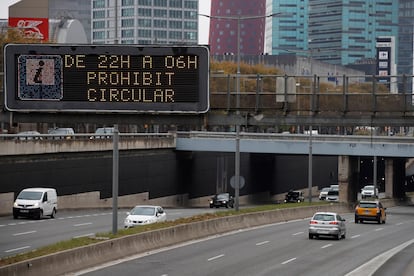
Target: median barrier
(109,250)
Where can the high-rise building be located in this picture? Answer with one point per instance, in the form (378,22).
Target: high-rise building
(145,21)
(229,16)
(288,32)
(405,40)
(338,32)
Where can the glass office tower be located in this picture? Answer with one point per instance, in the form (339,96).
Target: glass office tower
(145,21)
(338,32)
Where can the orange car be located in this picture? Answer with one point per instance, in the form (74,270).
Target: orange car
(371,210)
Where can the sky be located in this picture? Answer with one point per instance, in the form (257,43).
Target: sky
(204,8)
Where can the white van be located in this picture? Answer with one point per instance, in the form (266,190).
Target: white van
(35,202)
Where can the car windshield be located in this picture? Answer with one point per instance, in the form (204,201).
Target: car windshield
(104,130)
(367,205)
(222,196)
(369,188)
(326,189)
(324,217)
(333,192)
(30,195)
(143,211)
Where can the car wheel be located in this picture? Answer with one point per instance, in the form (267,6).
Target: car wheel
(211,206)
(379,220)
(39,215)
(356,219)
(343,235)
(15,216)
(227,206)
(310,236)
(53,214)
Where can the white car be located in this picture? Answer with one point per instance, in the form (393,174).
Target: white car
(144,214)
(324,193)
(369,191)
(333,195)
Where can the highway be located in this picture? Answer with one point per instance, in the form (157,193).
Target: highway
(23,234)
(278,249)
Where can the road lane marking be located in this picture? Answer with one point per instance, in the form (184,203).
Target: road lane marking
(82,224)
(288,261)
(379,229)
(85,235)
(400,223)
(16,249)
(261,243)
(355,236)
(374,264)
(326,246)
(24,233)
(215,257)
(298,233)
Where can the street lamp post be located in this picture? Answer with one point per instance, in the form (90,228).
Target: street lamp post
(237,150)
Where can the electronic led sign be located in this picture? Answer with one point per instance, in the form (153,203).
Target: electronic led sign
(116,78)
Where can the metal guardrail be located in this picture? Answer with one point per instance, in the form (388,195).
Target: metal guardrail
(299,137)
(82,136)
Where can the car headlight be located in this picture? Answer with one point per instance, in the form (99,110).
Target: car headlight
(211,202)
(224,201)
(36,205)
(15,204)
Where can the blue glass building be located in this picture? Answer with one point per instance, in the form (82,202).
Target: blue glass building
(338,32)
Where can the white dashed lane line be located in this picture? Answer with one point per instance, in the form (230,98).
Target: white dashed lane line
(82,224)
(24,233)
(17,249)
(261,243)
(327,245)
(298,233)
(215,257)
(288,261)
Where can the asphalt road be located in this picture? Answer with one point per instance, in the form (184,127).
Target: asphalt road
(278,249)
(23,234)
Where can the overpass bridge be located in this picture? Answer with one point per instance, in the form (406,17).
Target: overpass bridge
(277,143)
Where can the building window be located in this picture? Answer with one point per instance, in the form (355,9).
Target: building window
(160,3)
(176,3)
(127,12)
(190,25)
(160,23)
(160,13)
(144,2)
(98,14)
(144,33)
(99,24)
(127,2)
(190,35)
(144,23)
(160,34)
(127,22)
(99,35)
(190,15)
(98,4)
(176,24)
(175,35)
(142,41)
(144,12)
(127,41)
(190,4)
(176,14)
(127,33)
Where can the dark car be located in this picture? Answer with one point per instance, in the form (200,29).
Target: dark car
(222,200)
(294,196)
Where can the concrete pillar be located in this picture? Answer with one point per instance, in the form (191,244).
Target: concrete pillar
(343,177)
(389,178)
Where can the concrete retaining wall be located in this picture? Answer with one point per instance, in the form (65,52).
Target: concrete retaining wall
(109,250)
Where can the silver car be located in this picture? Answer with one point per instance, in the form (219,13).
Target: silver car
(327,224)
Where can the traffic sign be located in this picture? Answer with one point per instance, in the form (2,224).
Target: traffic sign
(106,78)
